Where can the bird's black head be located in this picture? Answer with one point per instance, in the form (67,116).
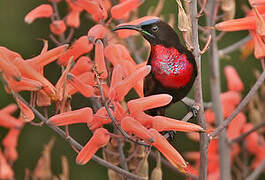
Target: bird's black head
(155,31)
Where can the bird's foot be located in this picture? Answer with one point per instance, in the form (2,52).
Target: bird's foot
(169,135)
(194,109)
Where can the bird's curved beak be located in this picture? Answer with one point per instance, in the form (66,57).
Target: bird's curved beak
(134,27)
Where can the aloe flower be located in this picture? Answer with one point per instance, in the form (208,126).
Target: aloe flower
(254,22)
(42,11)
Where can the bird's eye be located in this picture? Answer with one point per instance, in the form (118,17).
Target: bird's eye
(155,28)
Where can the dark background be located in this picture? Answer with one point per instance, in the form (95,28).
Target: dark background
(24,39)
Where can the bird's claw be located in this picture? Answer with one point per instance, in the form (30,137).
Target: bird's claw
(194,109)
(169,135)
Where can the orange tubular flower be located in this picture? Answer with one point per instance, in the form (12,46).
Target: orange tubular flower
(25,112)
(6,66)
(86,78)
(10,144)
(246,23)
(235,127)
(130,125)
(149,102)
(230,97)
(8,121)
(94,8)
(47,57)
(85,89)
(162,123)
(42,11)
(31,73)
(118,54)
(161,143)
(82,65)
(255,145)
(120,10)
(116,75)
(229,101)
(80,47)
(99,119)
(257,2)
(259,45)
(24,84)
(119,112)
(43,99)
(99,59)
(6,171)
(254,22)
(113,54)
(99,139)
(97,32)
(234,82)
(10,55)
(72,19)
(83,115)
(58,27)
(209,116)
(61,85)
(144,119)
(119,90)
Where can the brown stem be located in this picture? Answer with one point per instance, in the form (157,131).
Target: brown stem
(245,159)
(54,40)
(187,117)
(123,161)
(255,174)
(223,146)
(204,141)
(70,35)
(202,8)
(234,46)
(239,108)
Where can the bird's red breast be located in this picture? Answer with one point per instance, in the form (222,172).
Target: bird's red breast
(170,67)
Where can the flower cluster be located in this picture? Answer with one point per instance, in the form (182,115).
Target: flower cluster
(254,22)
(254,143)
(9,153)
(108,76)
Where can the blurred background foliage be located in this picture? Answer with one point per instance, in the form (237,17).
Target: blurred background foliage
(26,40)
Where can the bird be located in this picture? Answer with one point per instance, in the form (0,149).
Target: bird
(173,66)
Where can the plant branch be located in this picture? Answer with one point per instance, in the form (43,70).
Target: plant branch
(254,175)
(234,46)
(244,135)
(123,162)
(57,17)
(239,108)
(204,141)
(191,102)
(215,87)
